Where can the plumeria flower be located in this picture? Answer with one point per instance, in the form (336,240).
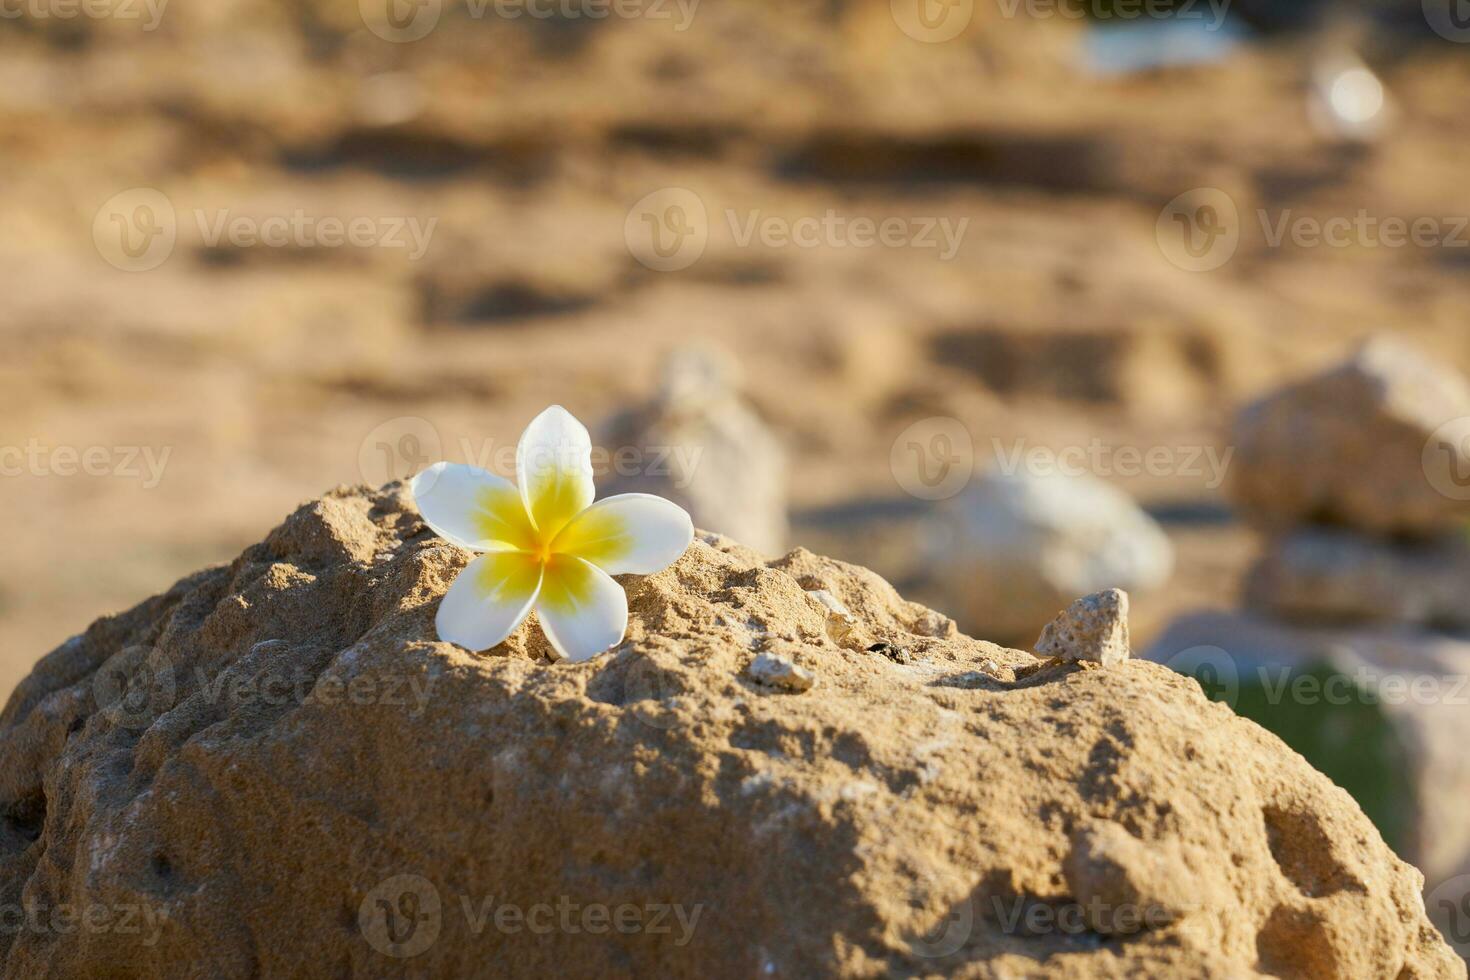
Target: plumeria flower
(546,546)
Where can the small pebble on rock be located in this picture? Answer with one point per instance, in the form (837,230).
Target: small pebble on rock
(840,620)
(779,672)
(1094,629)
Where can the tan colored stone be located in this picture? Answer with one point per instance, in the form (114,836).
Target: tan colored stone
(1326,576)
(280,763)
(1094,629)
(1348,446)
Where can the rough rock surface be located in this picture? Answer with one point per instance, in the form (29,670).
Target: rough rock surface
(1418,680)
(1015,548)
(1353,446)
(279,761)
(1094,629)
(1326,576)
(704,448)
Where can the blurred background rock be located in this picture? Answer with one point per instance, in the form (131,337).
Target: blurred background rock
(1069,317)
(1353,640)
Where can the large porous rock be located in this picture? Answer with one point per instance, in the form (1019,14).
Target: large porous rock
(1384,710)
(699,444)
(281,772)
(1014,548)
(1324,576)
(1380,443)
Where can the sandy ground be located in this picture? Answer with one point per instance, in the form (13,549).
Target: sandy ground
(157,419)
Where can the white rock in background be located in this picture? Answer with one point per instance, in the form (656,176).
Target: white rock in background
(1011,550)
(704,448)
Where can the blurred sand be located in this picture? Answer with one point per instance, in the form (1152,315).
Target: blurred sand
(268,374)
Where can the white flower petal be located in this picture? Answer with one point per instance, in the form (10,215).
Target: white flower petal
(582,610)
(473,508)
(554,469)
(632,533)
(492,596)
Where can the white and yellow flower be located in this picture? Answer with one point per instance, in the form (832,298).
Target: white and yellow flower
(546,545)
